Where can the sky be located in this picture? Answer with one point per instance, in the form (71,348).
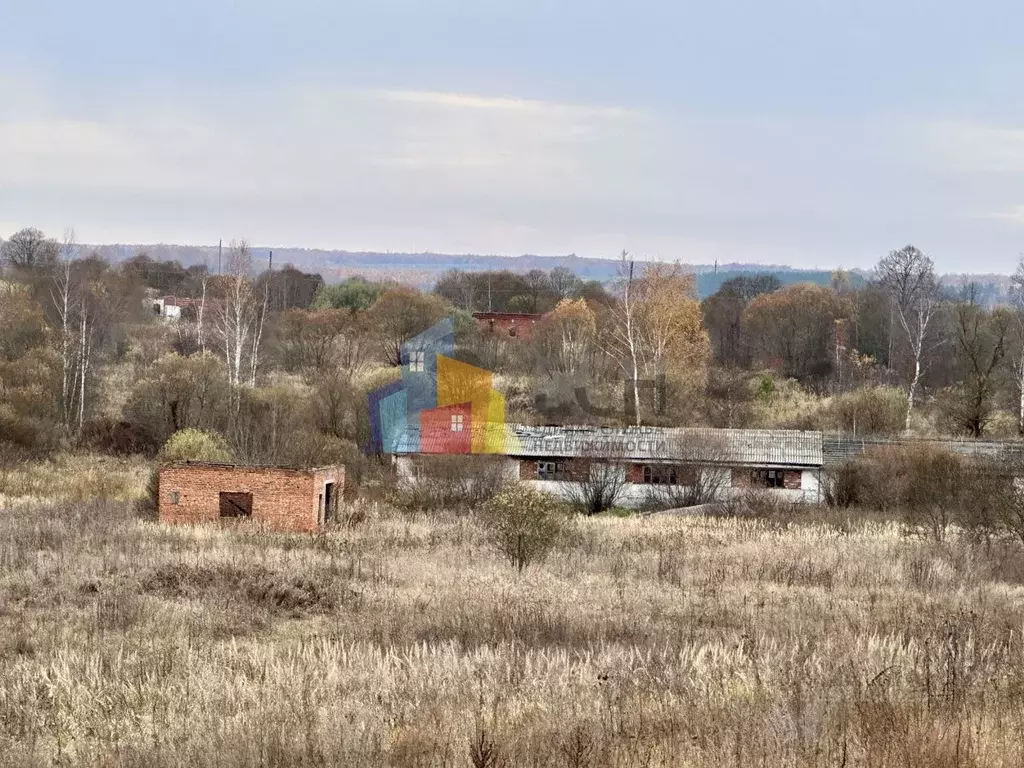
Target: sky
(812,133)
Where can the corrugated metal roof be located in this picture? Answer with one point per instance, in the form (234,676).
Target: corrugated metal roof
(841,447)
(734,447)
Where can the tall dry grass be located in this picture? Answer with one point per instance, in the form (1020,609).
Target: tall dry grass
(407,640)
(74,477)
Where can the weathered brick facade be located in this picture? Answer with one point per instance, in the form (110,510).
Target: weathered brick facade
(281,499)
(792,481)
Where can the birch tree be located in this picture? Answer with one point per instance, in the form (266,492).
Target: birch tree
(257,335)
(624,333)
(1018,363)
(62,294)
(909,278)
(237,313)
(671,325)
(204,281)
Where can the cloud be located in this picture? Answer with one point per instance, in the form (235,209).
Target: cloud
(500,104)
(967,147)
(328,166)
(381,159)
(1012,215)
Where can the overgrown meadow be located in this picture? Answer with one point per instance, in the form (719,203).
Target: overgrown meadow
(407,639)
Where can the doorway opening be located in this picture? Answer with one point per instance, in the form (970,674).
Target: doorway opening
(330,502)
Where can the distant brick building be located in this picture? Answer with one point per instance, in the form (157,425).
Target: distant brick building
(511,324)
(281,499)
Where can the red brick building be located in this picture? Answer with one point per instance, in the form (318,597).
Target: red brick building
(280,499)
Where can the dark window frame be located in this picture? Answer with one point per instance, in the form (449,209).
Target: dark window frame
(772,479)
(558,471)
(669,474)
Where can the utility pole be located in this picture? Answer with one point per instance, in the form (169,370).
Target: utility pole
(220,248)
(490,307)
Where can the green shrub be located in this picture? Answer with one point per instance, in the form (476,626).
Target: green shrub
(195,445)
(524,524)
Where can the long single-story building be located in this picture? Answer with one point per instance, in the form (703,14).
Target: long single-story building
(648,460)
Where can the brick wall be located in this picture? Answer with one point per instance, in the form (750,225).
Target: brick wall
(791,480)
(321,477)
(282,499)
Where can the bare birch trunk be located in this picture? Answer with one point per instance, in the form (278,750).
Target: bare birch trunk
(257,337)
(199,325)
(1020,404)
(83,357)
(912,390)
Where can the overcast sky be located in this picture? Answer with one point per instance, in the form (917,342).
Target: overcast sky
(809,132)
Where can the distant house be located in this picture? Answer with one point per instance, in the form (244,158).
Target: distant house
(509,324)
(788,464)
(170,307)
(280,499)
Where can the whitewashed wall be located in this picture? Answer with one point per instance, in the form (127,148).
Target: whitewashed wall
(635,494)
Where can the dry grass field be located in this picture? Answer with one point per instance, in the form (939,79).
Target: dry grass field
(407,640)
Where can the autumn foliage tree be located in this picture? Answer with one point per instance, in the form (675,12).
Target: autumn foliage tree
(313,342)
(794,329)
(28,372)
(723,316)
(399,314)
(566,335)
(672,334)
(654,331)
(981,347)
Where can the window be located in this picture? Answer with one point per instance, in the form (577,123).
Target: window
(670,474)
(457,422)
(236,504)
(175,497)
(417,360)
(769,478)
(551,470)
(660,474)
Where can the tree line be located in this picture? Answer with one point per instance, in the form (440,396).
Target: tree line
(279,363)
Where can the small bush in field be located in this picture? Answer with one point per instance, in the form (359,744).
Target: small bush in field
(524,524)
(195,445)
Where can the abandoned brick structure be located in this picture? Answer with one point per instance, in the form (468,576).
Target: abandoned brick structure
(281,499)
